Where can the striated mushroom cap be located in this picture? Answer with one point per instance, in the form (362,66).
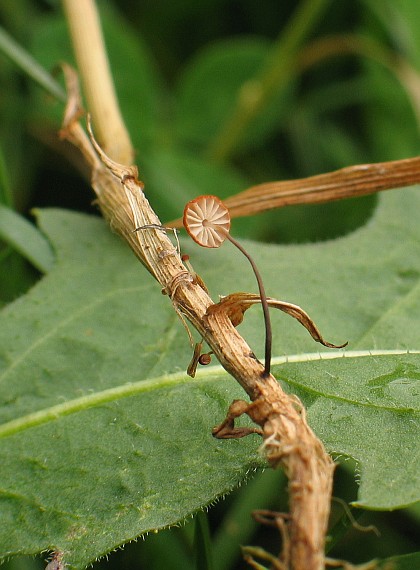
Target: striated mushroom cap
(207,220)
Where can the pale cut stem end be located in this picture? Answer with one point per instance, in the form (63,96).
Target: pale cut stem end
(88,44)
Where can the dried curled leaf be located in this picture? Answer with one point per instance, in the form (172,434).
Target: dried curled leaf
(235,305)
(192,367)
(56,562)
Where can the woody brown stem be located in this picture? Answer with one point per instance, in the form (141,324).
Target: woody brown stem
(288,439)
(349,182)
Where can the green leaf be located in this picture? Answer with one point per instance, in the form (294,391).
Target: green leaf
(26,239)
(17,277)
(363,288)
(366,407)
(29,65)
(5,189)
(103,437)
(202,543)
(210,86)
(96,434)
(398,17)
(404,562)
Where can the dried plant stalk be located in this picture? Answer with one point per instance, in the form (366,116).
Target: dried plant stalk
(88,43)
(288,440)
(349,182)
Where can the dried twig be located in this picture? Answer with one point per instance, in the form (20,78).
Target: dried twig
(88,44)
(348,182)
(288,440)
(56,562)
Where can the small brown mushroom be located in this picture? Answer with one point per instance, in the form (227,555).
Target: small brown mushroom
(207,221)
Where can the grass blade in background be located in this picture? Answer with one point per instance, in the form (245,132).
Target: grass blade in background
(29,65)
(25,238)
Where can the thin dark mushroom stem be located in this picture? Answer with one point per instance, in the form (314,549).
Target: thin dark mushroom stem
(264,304)
(207,221)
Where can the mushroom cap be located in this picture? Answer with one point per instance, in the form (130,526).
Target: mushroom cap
(207,220)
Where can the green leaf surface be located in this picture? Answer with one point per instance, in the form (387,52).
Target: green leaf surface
(404,562)
(29,65)
(26,239)
(211,85)
(367,407)
(84,474)
(103,436)
(399,18)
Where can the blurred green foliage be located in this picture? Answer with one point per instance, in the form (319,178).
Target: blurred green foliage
(183,71)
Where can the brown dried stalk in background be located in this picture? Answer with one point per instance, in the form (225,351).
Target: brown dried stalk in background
(348,182)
